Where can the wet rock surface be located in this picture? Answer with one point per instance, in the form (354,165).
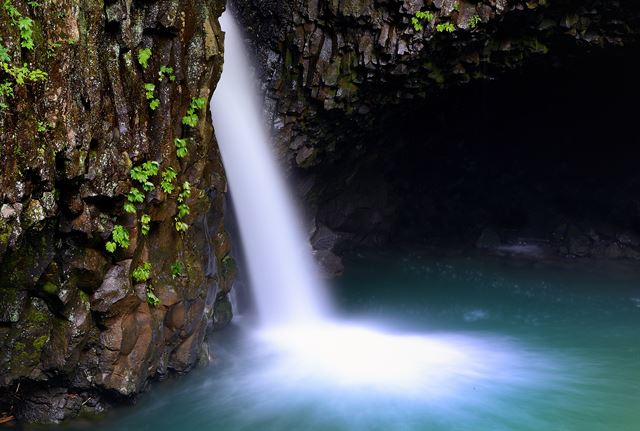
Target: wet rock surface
(77,334)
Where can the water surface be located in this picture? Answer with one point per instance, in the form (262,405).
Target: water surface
(424,344)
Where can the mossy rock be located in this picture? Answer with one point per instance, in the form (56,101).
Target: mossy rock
(228,267)
(28,337)
(222,313)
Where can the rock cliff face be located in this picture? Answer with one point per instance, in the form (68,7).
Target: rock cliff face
(338,75)
(330,66)
(113,251)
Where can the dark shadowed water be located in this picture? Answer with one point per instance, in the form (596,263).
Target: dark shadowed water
(467,344)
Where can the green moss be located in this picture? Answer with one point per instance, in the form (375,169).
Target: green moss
(50,288)
(19,346)
(35,316)
(347,87)
(24,362)
(228,267)
(84,297)
(39,342)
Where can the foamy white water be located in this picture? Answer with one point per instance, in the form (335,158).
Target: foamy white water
(307,346)
(281,269)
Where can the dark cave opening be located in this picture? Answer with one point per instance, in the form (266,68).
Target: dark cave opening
(547,155)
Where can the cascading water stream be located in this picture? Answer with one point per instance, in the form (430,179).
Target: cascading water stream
(282,273)
(309,345)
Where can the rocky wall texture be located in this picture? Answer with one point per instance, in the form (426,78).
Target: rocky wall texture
(77,331)
(336,72)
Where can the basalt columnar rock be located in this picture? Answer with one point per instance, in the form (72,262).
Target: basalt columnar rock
(326,65)
(77,332)
(337,74)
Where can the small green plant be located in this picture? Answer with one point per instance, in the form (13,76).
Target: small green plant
(120,237)
(168,178)
(143,172)
(473,21)
(176,269)
(4,54)
(183,208)
(25,25)
(144,224)
(129,207)
(181,147)
(149,89)
(456,6)
(6,90)
(181,226)
(166,72)
(19,75)
(23,73)
(191,119)
(143,57)
(185,193)
(150,95)
(445,27)
(421,18)
(41,127)
(134,196)
(142,272)
(152,299)
(11,10)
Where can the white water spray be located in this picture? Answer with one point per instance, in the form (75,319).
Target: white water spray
(309,347)
(281,270)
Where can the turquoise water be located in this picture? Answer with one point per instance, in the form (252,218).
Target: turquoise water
(456,344)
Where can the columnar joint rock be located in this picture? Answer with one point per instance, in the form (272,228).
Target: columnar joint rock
(332,71)
(77,333)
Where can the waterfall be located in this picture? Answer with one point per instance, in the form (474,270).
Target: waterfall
(305,345)
(282,272)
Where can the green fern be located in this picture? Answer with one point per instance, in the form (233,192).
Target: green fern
(473,21)
(445,27)
(150,95)
(166,72)
(142,272)
(143,57)
(176,269)
(421,18)
(120,237)
(152,299)
(144,224)
(168,177)
(181,147)
(191,118)
(25,25)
